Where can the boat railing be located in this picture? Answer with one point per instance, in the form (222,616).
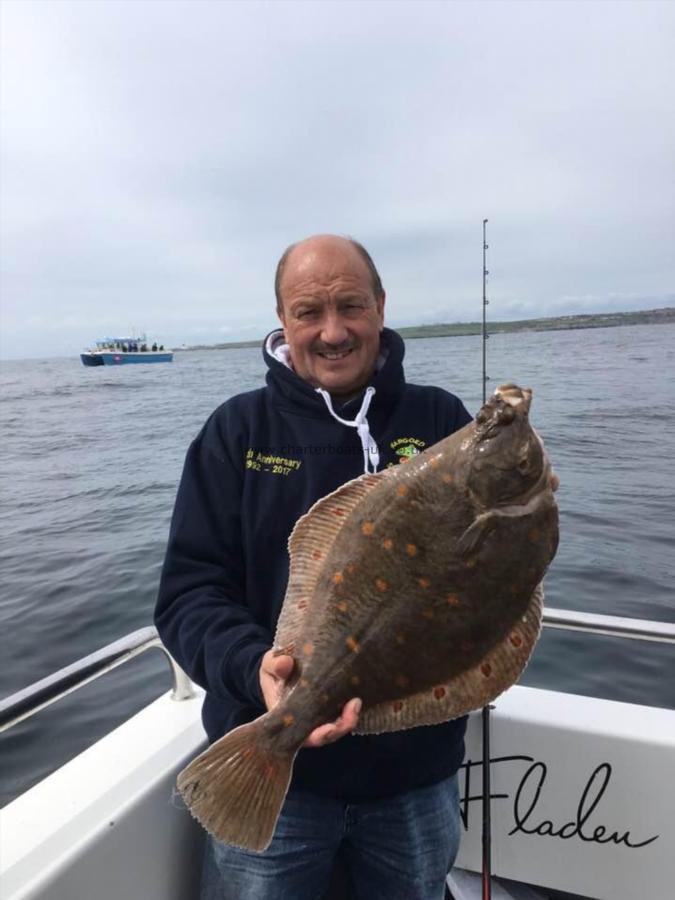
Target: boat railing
(43,693)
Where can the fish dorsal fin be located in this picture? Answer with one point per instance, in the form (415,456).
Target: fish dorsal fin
(498,670)
(308,546)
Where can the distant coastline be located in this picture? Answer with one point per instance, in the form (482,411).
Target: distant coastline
(664,316)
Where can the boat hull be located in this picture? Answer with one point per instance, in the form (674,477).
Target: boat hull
(581,802)
(120,358)
(91,359)
(113,358)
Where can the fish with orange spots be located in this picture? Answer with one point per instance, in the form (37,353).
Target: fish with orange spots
(424,591)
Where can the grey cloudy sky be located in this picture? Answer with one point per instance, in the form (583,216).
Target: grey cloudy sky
(158,156)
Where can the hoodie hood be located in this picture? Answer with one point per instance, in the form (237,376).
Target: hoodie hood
(383,389)
(289,389)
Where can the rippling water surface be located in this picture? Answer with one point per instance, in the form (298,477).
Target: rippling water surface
(90,460)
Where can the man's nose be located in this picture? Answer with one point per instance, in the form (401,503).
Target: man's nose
(333,330)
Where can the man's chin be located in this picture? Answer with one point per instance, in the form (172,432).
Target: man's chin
(340,386)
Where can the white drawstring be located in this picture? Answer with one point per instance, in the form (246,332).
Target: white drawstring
(371,454)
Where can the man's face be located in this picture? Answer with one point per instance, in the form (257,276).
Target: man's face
(331,316)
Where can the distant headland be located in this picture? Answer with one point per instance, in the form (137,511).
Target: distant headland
(664,316)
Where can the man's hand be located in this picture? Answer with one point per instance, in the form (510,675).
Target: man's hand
(274,671)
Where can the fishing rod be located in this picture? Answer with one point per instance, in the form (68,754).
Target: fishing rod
(486,873)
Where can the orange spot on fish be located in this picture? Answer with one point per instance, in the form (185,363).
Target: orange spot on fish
(534,534)
(353,644)
(397,707)
(381,585)
(288,719)
(516,639)
(368,527)
(338,578)
(271,771)
(308,648)
(387,543)
(439,693)
(338,511)
(343,606)
(447,478)
(435,462)
(316,554)
(486,669)
(402,681)
(402,489)
(428,613)
(302,604)
(452,599)
(411,549)
(355,680)
(424,583)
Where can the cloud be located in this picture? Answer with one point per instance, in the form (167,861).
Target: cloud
(158,157)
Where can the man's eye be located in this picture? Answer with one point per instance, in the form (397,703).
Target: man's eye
(307,314)
(353,309)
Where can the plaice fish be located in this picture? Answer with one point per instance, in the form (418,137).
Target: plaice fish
(417,589)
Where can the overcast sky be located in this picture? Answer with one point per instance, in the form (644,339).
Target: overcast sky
(158,156)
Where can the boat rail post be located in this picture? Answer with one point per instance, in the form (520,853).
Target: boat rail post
(37,696)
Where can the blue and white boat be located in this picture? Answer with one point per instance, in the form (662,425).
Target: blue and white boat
(121,351)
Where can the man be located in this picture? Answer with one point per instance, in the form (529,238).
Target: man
(336,404)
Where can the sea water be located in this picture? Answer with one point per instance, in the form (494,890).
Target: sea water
(91,457)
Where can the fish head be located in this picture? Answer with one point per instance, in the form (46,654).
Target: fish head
(507,462)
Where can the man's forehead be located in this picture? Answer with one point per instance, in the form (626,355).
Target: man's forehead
(325,259)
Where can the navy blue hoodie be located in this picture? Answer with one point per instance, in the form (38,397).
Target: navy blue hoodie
(260,461)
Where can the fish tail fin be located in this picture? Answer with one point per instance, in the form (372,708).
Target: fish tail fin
(236,787)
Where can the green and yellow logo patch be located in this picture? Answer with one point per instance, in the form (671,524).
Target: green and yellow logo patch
(407,447)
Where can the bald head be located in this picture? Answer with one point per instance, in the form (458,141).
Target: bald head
(331,312)
(326,243)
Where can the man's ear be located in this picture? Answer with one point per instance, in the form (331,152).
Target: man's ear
(380,308)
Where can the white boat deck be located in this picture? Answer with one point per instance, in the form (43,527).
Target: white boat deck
(582,800)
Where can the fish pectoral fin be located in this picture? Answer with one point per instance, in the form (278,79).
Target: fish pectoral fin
(472,540)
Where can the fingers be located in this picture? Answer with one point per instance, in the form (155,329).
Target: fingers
(274,670)
(281,667)
(333,731)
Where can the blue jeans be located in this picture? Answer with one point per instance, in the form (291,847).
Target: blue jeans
(399,848)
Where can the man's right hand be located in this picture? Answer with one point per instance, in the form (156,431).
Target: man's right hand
(274,671)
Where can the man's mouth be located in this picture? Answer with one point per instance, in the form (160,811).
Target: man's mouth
(334,354)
